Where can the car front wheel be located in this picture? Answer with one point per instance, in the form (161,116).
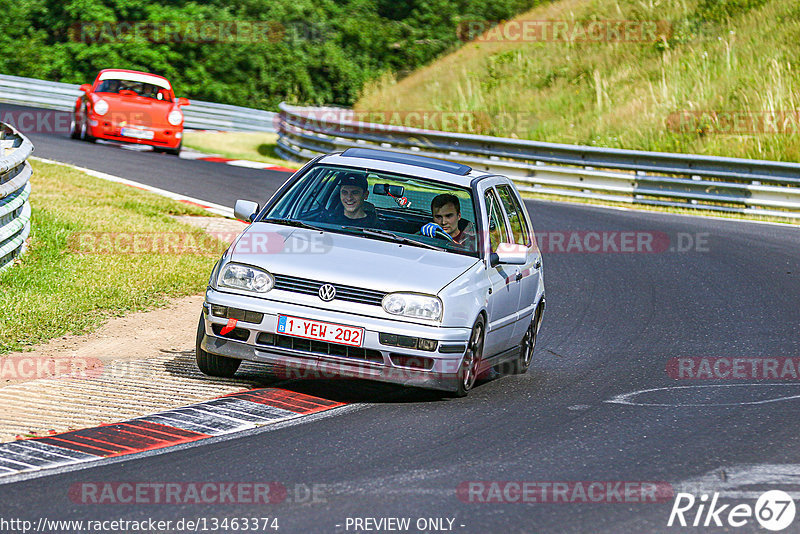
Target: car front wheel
(468,372)
(213,364)
(84,134)
(171,151)
(74,132)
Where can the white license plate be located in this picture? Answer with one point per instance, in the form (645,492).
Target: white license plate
(136,133)
(332,333)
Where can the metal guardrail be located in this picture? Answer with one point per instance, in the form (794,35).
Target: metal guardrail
(198,115)
(15,188)
(635,177)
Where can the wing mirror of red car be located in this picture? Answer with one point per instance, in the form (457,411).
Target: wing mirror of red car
(86,88)
(183,101)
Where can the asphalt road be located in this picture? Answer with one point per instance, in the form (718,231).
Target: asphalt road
(205,180)
(613,322)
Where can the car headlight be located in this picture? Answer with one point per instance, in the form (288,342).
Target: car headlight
(246,278)
(413,305)
(175,117)
(101,107)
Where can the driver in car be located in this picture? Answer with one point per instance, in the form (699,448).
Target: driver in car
(353,208)
(446,211)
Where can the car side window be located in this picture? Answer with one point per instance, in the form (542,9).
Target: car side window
(515,216)
(498,231)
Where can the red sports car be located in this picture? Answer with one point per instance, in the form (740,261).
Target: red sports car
(130,106)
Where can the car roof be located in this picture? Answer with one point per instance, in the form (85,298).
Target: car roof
(404,163)
(134,76)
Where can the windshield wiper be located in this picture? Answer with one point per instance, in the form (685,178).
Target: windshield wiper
(292,222)
(392,236)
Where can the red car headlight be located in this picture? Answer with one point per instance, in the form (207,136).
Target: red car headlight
(101,107)
(175,117)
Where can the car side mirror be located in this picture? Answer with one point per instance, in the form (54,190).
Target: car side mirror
(86,88)
(182,101)
(245,210)
(510,254)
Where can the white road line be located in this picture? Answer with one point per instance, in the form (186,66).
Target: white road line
(736,481)
(208,206)
(626,398)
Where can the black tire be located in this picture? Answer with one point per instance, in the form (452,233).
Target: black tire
(213,364)
(520,365)
(74,133)
(468,371)
(84,133)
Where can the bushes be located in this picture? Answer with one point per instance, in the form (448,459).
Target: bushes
(323,52)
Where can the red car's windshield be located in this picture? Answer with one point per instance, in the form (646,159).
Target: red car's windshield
(142,89)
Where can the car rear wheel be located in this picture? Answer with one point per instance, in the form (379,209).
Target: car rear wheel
(468,372)
(527,345)
(213,364)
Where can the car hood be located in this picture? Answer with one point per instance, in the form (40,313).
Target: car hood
(136,110)
(349,260)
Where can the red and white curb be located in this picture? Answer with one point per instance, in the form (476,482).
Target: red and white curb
(225,415)
(191,154)
(199,156)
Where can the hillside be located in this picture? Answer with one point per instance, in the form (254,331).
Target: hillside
(720,77)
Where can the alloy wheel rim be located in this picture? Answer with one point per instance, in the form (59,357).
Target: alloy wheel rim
(470,371)
(528,344)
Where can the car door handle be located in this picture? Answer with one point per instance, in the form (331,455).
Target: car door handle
(538,264)
(519,276)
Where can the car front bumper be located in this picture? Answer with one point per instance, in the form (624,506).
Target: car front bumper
(166,137)
(385,363)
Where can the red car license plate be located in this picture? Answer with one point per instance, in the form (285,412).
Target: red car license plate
(330,332)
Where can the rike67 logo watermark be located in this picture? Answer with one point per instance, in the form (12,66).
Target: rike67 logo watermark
(774,510)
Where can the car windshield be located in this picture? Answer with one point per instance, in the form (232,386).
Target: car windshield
(382,206)
(146,90)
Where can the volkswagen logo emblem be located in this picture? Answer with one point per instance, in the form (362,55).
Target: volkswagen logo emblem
(327,292)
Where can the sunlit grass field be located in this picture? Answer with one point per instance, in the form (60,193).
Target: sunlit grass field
(253,146)
(713,83)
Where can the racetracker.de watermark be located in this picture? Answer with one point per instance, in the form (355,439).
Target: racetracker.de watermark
(727,368)
(375,121)
(204,493)
(564,492)
(180,243)
(60,122)
(711,122)
(36,367)
(564,31)
(621,242)
(195,31)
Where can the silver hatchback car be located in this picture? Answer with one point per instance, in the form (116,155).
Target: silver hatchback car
(383,266)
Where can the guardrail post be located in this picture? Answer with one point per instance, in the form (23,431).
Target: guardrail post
(15,189)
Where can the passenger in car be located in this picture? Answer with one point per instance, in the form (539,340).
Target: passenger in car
(353,208)
(446,212)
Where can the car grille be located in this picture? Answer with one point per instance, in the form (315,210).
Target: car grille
(319,347)
(311,287)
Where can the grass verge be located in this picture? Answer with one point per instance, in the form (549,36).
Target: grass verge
(74,275)
(253,146)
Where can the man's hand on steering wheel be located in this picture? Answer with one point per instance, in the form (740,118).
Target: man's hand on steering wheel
(434,230)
